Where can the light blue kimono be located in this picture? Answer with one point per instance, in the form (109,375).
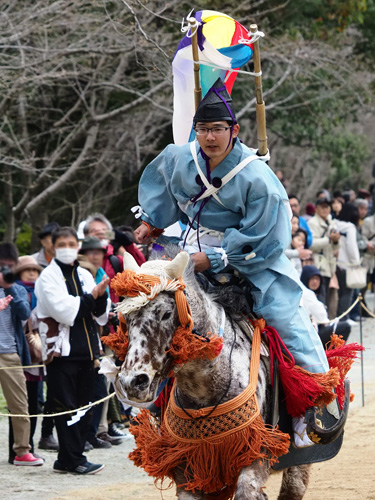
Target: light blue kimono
(254,219)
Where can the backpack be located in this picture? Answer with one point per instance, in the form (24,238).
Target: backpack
(115,263)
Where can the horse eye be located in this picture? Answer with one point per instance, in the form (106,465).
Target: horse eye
(166,316)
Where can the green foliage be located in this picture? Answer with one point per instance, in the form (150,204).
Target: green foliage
(23,240)
(321,18)
(365,47)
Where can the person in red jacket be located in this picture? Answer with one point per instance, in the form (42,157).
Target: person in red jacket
(99,226)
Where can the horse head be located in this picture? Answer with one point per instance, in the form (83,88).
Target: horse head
(151,325)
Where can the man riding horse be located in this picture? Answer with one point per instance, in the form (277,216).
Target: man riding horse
(238,218)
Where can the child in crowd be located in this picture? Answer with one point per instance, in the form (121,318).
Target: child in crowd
(297,252)
(312,279)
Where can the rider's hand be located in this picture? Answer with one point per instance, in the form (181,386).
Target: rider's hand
(100,288)
(141,234)
(201,262)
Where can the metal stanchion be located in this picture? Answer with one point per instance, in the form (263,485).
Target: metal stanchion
(361,342)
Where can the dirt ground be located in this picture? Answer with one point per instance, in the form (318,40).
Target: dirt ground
(349,476)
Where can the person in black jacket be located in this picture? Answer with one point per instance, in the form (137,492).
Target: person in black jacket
(69,303)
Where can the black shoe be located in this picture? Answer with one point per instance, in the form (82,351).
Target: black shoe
(48,443)
(103,436)
(88,447)
(88,468)
(100,443)
(115,432)
(59,468)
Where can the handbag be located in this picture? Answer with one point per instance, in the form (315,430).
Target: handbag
(356,277)
(34,343)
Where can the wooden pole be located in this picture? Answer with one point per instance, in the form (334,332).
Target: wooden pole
(260,106)
(194,45)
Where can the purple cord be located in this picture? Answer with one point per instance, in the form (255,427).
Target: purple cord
(217,92)
(195,200)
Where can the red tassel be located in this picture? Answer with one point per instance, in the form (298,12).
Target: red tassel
(302,389)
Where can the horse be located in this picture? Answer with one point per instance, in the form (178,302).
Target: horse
(199,383)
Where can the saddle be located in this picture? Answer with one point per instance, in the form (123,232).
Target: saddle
(229,284)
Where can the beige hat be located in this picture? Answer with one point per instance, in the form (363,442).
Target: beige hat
(27,262)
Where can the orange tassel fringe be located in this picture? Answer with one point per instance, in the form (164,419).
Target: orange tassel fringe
(209,466)
(213,444)
(185,346)
(118,341)
(341,356)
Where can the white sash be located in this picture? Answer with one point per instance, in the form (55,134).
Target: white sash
(210,189)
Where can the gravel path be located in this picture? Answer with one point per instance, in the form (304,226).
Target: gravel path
(120,480)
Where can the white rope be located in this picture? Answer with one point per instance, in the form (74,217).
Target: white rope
(138,212)
(253,37)
(212,65)
(130,304)
(224,256)
(192,24)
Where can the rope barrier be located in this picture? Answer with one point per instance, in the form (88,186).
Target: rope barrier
(40,366)
(59,414)
(366,309)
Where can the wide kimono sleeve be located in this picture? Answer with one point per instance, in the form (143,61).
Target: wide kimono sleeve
(264,231)
(155,196)
(53,299)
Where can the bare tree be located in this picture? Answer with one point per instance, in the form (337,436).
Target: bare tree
(86,100)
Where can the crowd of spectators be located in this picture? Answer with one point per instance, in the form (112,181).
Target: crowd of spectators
(334,235)
(57,318)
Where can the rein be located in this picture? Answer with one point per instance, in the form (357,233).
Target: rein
(177,413)
(224,393)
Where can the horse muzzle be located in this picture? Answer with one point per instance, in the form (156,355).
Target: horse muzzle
(137,386)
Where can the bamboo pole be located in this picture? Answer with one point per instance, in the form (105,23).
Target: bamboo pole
(260,105)
(194,46)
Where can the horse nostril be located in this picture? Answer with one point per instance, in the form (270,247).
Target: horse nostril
(141,380)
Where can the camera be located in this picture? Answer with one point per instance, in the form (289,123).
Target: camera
(114,321)
(8,275)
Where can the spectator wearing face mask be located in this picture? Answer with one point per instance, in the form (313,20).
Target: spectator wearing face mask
(70,305)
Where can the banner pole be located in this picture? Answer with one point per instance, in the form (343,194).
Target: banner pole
(260,105)
(194,45)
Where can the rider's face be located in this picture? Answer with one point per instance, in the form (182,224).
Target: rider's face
(216,146)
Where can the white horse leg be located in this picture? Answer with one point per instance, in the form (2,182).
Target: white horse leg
(181,493)
(188,495)
(294,483)
(251,481)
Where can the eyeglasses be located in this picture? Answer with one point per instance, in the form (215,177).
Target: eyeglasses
(213,130)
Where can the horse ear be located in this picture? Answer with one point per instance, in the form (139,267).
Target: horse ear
(130,263)
(175,269)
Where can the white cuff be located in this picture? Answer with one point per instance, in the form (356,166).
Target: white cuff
(223,253)
(138,212)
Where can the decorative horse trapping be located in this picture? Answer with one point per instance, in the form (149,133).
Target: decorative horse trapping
(212,444)
(138,290)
